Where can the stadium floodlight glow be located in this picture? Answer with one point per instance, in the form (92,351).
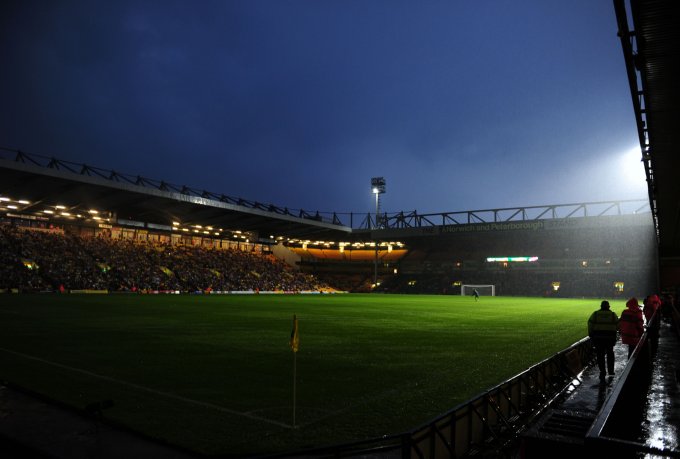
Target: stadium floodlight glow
(47,211)
(175,223)
(11,207)
(23,201)
(378,185)
(92,211)
(59,207)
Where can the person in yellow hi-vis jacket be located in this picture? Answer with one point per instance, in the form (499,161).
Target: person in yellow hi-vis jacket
(602,327)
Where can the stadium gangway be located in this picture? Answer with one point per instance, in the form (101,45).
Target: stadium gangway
(490,421)
(610,433)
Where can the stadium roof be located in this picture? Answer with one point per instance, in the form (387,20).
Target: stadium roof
(47,182)
(48,188)
(651,47)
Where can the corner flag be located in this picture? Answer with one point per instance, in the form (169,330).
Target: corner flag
(294,337)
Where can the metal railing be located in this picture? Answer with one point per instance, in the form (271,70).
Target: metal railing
(489,421)
(604,434)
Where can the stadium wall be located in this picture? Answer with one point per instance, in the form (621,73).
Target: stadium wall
(605,256)
(586,255)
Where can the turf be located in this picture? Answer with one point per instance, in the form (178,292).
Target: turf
(215,373)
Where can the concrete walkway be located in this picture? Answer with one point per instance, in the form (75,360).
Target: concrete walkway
(567,420)
(661,422)
(30,427)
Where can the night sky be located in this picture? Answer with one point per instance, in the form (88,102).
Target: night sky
(460,105)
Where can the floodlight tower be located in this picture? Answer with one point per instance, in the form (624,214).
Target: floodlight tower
(378,188)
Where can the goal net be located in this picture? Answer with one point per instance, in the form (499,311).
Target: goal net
(483,290)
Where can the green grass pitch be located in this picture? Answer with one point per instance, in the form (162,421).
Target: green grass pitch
(215,373)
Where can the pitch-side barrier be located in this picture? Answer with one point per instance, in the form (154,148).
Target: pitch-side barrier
(487,422)
(615,429)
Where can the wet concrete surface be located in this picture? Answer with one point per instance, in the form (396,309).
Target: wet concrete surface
(589,394)
(661,415)
(657,420)
(30,427)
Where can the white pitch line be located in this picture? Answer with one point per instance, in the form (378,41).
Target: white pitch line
(146,389)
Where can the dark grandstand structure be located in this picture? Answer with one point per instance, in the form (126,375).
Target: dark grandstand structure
(604,249)
(584,249)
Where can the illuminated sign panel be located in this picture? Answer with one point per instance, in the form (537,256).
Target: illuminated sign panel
(511,259)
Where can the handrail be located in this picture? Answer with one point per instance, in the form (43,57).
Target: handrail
(596,434)
(492,418)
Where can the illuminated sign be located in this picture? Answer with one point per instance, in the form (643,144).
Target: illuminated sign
(511,259)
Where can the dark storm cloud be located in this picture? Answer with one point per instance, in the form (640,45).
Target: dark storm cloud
(459,105)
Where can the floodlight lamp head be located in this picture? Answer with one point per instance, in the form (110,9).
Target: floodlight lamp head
(378,185)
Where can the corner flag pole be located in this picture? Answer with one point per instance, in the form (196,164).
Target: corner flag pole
(294,384)
(294,345)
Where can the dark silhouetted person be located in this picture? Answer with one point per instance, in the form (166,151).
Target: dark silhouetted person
(651,310)
(631,325)
(602,327)
(475,293)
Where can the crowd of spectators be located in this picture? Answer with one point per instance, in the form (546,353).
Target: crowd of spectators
(33,260)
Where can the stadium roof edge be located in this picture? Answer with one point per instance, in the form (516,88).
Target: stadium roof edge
(43,180)
(650,41)
(163,204)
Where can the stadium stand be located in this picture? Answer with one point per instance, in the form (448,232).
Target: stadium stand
(606,260)
(51,260)
(581,259)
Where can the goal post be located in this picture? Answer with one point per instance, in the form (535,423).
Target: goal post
(484,290)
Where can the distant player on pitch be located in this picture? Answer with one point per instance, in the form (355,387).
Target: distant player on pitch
(475,293)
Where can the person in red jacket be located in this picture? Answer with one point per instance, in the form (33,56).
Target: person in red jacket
(631,324)
(651,303)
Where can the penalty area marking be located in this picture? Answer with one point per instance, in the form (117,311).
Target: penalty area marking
(149,390)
